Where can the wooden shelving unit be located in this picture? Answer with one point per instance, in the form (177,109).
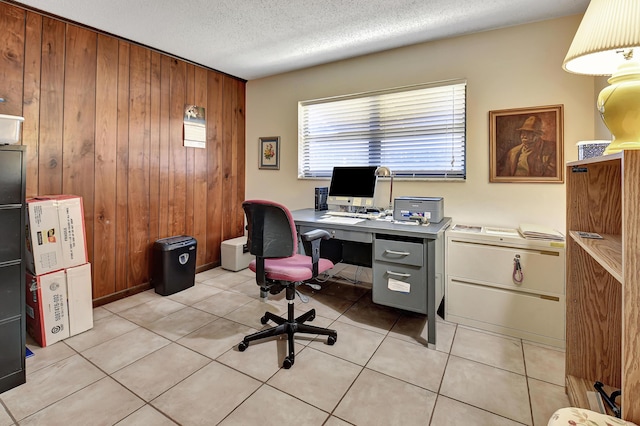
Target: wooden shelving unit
(603,279)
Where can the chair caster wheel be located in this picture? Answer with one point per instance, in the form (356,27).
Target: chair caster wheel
(242,346)
(287,363)
(311,318)
(264,320)
(331,340)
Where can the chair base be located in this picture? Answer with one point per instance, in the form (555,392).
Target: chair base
(290,326)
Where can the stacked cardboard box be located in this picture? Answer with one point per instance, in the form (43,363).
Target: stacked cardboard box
(59,299)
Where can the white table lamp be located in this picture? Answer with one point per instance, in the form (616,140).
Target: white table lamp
(604,45)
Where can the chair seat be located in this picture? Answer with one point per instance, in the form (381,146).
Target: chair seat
(295,268)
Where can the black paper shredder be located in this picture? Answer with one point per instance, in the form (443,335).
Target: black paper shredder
(174,264)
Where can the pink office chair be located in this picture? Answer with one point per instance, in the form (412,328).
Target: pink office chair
(273,239)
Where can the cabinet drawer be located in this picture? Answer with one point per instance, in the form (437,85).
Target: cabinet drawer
(11,176)
(516,313)
(11,355)
(11,231)
(401,252)
(11,295)
(400,286)
(543,270)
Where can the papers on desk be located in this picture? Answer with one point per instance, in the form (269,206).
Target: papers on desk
(539,232)
(341,220)
(507,232)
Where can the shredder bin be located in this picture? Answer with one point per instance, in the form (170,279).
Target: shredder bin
(174,264)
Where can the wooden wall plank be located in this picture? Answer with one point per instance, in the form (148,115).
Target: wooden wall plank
(122,169)
(51,107)
(229,164)
(165,136)
(12,22)
(138,177)
(104,258)
(79,122)
(31,102)
(190,172)
(240,92)
(214,166)
(177,152)
(200,184)
(154,149)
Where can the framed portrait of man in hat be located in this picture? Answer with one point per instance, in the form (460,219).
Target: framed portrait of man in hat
(526,145)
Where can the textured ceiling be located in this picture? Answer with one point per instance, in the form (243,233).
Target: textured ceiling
(257,38)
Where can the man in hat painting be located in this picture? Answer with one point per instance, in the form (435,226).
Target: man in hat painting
(534,156)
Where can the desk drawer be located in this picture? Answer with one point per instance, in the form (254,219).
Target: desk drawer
(341,234)
(399,286)
(402,252)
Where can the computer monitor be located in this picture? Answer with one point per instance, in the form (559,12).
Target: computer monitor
(352,188)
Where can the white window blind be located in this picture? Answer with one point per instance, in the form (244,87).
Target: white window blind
(417,131)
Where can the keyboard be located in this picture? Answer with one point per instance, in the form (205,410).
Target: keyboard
(356,215)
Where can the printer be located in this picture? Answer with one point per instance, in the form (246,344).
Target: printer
(421,209)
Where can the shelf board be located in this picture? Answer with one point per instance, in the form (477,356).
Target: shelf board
(607,251)
(596,160)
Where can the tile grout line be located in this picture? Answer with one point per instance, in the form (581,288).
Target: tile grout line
(263,383)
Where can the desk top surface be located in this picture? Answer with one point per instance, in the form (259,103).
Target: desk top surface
(311,217)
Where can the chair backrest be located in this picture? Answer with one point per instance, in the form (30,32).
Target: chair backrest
(271,229)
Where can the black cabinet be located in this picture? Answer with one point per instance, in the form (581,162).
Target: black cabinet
(12,269)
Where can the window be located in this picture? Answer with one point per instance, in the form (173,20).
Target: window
(416,131)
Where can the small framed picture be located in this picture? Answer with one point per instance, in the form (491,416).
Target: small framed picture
(526,145)
(270,153)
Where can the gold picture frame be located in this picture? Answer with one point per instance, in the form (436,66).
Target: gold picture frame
(269,153)
(527,145)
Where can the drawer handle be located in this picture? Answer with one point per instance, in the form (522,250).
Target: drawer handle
(397,253)
(398,274)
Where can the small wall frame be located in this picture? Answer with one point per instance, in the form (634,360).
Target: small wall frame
(269,158)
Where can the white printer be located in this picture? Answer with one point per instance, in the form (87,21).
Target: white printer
(429,209)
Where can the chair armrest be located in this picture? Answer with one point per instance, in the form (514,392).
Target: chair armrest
(314,237)
(314,234)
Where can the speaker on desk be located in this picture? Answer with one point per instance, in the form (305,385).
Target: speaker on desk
(321,198)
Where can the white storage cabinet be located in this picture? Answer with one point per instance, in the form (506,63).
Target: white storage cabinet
(482,291)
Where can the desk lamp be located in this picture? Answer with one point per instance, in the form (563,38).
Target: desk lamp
(604,45)
(383,171)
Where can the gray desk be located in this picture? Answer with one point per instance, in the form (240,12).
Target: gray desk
(407,260)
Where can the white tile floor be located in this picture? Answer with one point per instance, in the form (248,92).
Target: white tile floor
(153,360)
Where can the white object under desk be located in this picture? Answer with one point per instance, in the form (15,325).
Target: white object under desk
(482,288)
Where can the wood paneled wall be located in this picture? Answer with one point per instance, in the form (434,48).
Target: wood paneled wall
(103,120)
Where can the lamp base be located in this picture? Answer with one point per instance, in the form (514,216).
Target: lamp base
(619,106)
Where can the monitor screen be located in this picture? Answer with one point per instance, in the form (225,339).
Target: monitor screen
(353,186)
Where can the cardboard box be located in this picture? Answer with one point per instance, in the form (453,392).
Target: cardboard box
(44,250)
(55,233)
(79,298)
(47,316)
(10,128)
